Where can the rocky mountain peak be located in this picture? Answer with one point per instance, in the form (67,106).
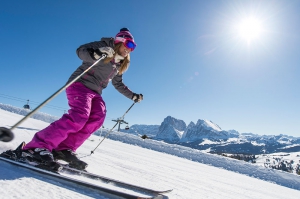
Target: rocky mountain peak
(171,129)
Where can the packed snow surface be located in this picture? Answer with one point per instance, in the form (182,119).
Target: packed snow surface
(154,164)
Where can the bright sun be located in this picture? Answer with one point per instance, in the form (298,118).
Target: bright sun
(249,29)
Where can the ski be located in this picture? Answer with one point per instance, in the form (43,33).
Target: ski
(61,171)
(107,180)
(67,180)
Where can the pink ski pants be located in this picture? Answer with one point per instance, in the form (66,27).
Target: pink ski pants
(87,113)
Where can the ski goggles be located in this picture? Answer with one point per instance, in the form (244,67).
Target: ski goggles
(128,43)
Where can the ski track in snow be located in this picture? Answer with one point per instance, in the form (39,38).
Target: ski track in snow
(190,173)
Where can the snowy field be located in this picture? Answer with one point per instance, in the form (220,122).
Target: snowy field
(190,173)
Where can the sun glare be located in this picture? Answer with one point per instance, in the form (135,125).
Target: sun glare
(249,29)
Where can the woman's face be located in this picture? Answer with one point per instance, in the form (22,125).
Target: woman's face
(123,51)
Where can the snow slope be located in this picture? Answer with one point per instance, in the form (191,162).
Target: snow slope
(191,173)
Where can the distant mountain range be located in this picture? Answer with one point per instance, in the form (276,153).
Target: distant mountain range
(208,136)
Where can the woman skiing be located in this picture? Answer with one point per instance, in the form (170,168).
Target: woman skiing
(87,109)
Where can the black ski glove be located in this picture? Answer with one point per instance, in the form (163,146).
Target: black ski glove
(137,97)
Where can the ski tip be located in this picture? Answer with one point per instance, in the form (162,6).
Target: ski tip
(165,191)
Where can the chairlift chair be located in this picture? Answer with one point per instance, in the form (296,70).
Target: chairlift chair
(26,106)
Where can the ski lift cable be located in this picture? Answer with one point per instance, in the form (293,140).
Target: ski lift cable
(12,98)
(31,102)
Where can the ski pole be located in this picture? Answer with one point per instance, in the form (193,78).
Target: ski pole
(111,130)
(6,131)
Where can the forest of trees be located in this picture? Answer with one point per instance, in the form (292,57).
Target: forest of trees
(244,157)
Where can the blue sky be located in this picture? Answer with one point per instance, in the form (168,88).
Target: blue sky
(191,62)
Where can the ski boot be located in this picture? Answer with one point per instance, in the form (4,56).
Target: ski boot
(70,157)
(41,158)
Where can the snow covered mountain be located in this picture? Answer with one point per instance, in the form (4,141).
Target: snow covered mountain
(171,130)
(208,136)
(205,129)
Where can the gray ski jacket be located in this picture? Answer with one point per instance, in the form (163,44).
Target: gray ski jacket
(98,77)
